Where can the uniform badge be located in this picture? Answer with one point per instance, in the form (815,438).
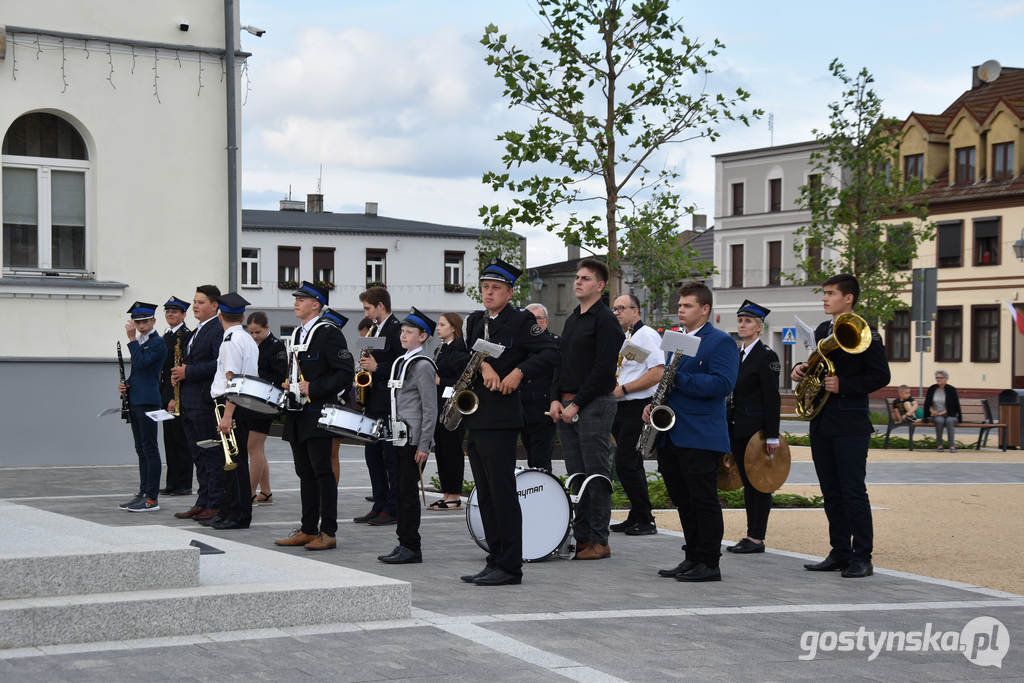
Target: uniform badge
(344,354)
(775,366)
(535,330)
(228,338)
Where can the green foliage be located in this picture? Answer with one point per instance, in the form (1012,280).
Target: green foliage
(921,441)
(614,84)
(508,246)
(864,210)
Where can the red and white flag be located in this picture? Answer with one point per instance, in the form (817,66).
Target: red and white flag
(1017,316)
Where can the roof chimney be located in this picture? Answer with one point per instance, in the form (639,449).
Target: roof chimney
(573,252)
(700,221)
(314,203)
(292,205)
(371,209)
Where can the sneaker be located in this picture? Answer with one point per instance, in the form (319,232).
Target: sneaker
(642,529)
(133,501)
(143,505)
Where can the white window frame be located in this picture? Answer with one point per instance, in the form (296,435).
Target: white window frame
(378,262)
(453,269)
(44,167)
(245,271)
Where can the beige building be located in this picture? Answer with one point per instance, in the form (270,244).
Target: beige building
(973,152)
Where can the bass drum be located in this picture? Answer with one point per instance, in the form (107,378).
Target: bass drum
(546,514)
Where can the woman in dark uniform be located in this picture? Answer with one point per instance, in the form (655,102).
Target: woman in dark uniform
(273,367)
(451,357)
(754,406)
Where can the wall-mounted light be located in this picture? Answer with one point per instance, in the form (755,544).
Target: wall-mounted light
(1018,246)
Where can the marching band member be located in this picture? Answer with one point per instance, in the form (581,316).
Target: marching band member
(451,356)
(319,349)
(147,351)
(583,405)
(380,456)
(494,426)
(840,435)
(690,452)
(413,388)
(635,384)
(538,433)
(238,355)
(754,407)
(273,367)
(176,451)
(195,375)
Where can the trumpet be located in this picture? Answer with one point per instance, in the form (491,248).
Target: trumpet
(227,441)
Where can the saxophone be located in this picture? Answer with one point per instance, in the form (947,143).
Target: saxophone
(662,417)
(463,400)
(363,380)
(177,386)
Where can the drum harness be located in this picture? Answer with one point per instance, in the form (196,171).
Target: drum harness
(293,399)
(399,429)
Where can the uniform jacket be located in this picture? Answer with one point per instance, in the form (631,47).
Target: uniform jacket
(170,338)
(144,380)
(416,401)
(755,400)
(536,394)
(451,361)
(526,348)
(846,413)
(201,364)
(328,366)
(378,403)
(273,360)
(698,396)
(952,402)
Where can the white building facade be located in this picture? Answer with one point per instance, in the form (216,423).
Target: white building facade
(114,189)
(425,265)
(756,215)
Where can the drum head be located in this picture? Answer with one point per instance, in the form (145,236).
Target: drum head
(255,394)
(545,508)
(766,473)
(728,474)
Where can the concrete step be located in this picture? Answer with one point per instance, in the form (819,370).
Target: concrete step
(246,587)
(43,554)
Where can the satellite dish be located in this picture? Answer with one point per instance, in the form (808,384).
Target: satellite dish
(989,71)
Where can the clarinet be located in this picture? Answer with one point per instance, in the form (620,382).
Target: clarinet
(662,417)
(125,413)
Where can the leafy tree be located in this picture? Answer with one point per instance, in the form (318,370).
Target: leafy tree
(857,198)
(616,85)
(508,246)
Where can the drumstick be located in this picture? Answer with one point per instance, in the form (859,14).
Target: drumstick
(423,491)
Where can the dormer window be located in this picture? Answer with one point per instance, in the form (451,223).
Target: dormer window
(913,166)
(965,165)
(1002,161)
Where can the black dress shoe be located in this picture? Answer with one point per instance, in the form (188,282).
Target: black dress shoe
(401,555)
(684,566)
(180,492)
(701,572)
(369,499)
(858,569)
(365,518)
(642,529)
(212,521)
(229,524)
(622,526)
(470,578)
(829,564)
(382,519)
(746,546)
(499,577)
(167,490)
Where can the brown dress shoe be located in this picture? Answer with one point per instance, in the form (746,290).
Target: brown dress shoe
(582,545)
(297,538)
(322,542)
(190,513)
(208,513)
(596,551)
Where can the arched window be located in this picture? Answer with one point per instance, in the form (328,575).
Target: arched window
(45,167)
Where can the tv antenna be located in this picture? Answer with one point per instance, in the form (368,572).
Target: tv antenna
(771,130)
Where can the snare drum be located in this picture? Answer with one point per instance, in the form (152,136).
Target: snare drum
(545,506)
(352,424)
(255,394)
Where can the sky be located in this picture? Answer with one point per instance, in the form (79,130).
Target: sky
(392,98)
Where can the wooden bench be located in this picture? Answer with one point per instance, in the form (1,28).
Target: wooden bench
(975,415)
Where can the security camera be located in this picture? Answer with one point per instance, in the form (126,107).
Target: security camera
(258,32)
(183,26)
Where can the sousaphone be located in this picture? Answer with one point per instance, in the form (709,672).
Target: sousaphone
(766,473)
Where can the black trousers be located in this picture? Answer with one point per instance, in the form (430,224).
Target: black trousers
(209,462)
(691,478)
(236,503)
(757,503)
(629,464)
(176,452)
(492,457)
(841,464)
(318,488)
(383,468)
(539,443)
(408,498)
(451,459)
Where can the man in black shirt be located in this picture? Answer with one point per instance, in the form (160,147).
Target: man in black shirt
(583,404)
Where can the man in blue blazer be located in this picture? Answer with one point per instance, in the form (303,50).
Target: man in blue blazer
(195,375)
(147,351)
(689,454)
